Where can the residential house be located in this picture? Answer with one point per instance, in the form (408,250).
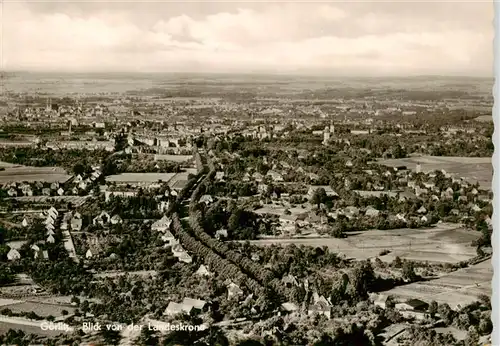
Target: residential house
(289,307)
(413,305)
(207,199)
(26,190)
(194,304)
(24,223)
(50,239)
(76,223)
(380,300)
(219,176)
(101,219)
(60,191)
(177,250)
(203,271)
(371,212)
(161,225)
(275,176)
(185,257)
(168,238)
(12,192)
(422,210)
(221,234)
(116,219)
(53,212)
(257,177)
(320,306)
(13,255)
(46,191)
(186,306)
(233,291)
(163,206)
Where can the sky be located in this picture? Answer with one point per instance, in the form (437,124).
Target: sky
(369,38)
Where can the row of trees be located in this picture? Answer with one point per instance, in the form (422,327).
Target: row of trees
(215,262)
(263,276)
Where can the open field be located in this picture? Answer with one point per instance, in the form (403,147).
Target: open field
(41,309)
(173,158)
(447,243)
(484,118)
(18,173)
(27,326)
(140,177)
(457,288)
(473,169)
(114,274)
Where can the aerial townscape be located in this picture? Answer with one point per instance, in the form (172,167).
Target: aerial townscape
(234,173)
(251,211)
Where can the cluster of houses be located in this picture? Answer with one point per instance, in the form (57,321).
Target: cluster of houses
(104,219)
(51,220)
(162,226)
(27,189)
(83,183)
(73,187)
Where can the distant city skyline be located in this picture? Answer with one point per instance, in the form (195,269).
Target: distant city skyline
(336,38)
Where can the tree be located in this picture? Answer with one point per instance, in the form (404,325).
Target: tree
(148,337)
(433,308)
(79,169)
(485,326)
(120,142)
(397,262)
(409,271)
(110,337)
(319,196)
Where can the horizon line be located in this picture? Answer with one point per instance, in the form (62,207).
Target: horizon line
(254,73)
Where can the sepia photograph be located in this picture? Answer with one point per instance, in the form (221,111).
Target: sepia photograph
(246,173)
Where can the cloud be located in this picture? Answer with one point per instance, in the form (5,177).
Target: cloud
(347,38)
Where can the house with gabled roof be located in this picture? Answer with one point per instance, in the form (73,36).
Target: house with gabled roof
(161,225)
(76,224)
(203,271)
(13,255)
(233,291)
(320,305)
(207,199)
(101,219)
(185,257)
(116,219)
(53,212)
(168,238)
